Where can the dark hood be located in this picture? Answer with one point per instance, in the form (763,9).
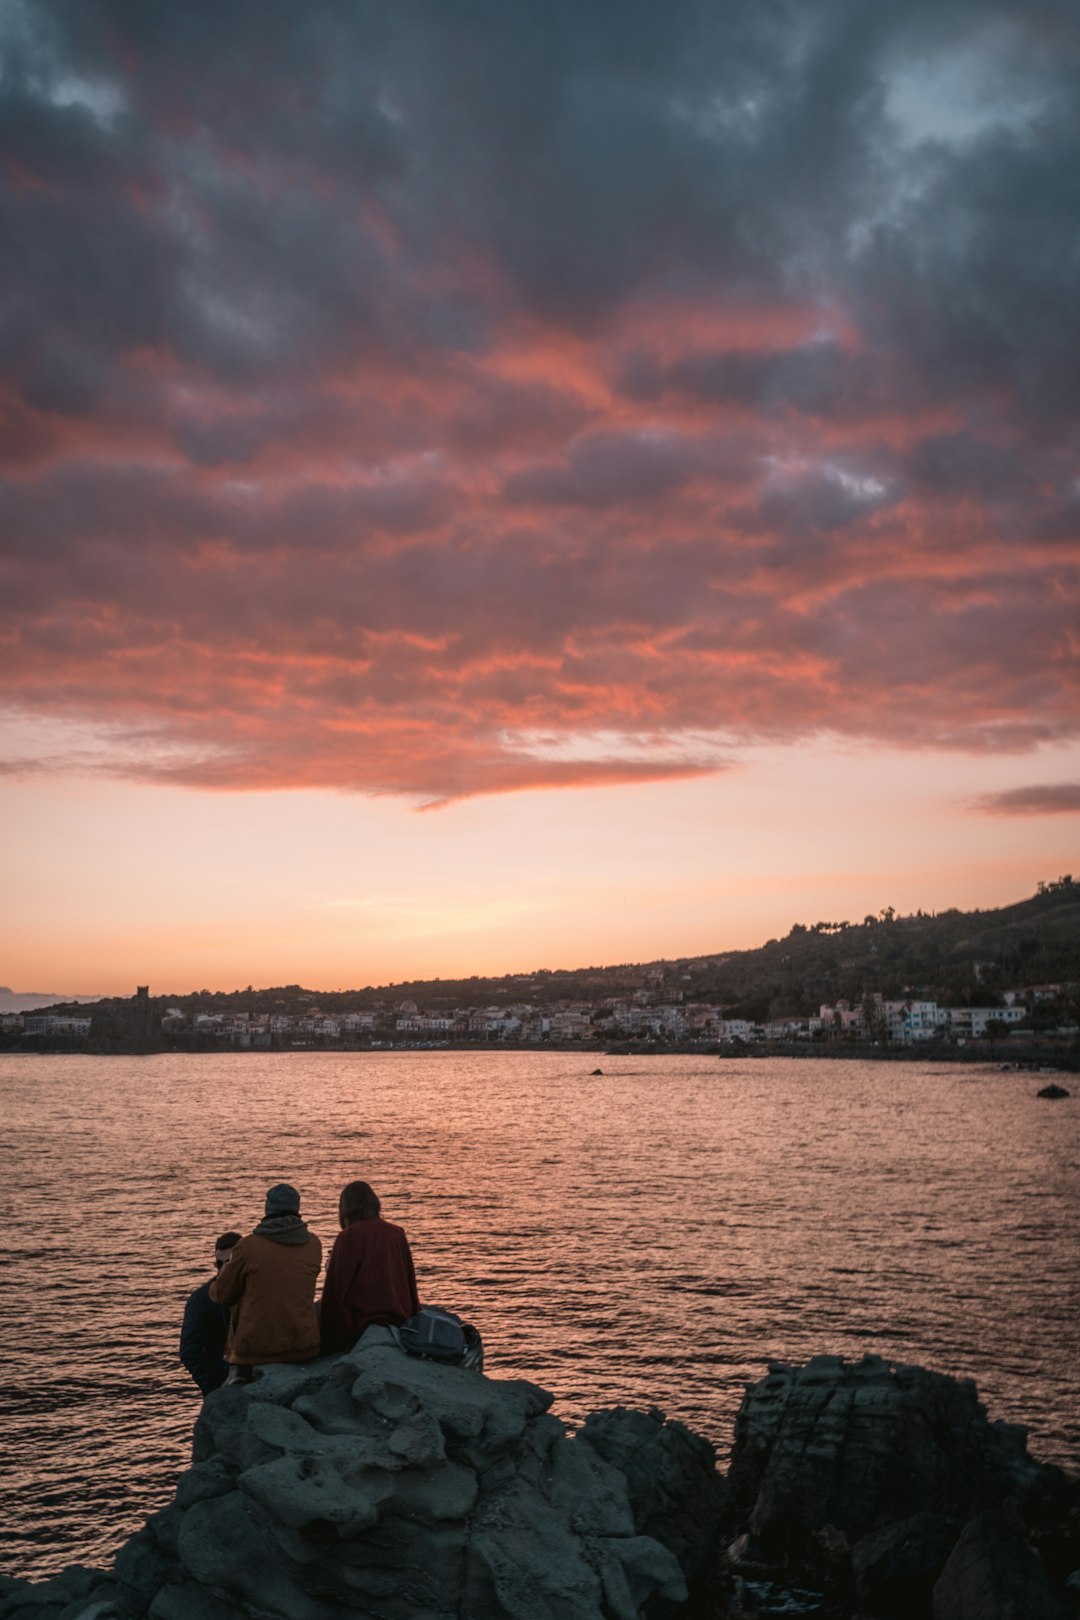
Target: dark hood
(283,1229)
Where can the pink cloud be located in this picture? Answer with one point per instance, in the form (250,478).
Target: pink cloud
(348,428)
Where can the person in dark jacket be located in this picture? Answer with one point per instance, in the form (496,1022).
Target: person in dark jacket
(206,1325)
(370,1276)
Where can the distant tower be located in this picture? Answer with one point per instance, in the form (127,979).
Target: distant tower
(143,1014)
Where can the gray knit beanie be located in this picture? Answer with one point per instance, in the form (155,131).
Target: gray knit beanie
(283,1200)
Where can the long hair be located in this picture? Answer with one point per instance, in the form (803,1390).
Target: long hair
(358,1202)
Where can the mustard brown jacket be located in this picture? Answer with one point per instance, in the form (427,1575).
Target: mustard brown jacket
(270,1288)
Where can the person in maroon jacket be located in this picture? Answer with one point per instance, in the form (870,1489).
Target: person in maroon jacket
(370,1276)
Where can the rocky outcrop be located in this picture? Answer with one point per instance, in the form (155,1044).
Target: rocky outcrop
(895,1569)
(861,1445)
(396,1487)
(376,1484)
(676,1493)
(75,1594)
(381,1484)
(888,1489)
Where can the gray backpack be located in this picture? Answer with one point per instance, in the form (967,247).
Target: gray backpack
(439,1335)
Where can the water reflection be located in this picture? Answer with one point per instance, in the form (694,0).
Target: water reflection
(654,1235)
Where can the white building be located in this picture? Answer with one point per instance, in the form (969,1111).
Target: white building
(738,1029)
(970,1023)
(56,1024)
(910,1021)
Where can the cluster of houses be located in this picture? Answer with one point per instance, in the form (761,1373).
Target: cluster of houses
(643,1017)
(54,1025)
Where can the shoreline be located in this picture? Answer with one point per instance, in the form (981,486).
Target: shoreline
(1030,1058)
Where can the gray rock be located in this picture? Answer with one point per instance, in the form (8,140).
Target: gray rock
(676,1492)
(863,1445)
(95,1607)
(381,1484)
(188,1601)
(77,1593)
(993,1574)
(142,1566)
(207,1479)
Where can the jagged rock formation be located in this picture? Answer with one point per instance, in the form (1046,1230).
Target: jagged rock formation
(77,1594)
(992,1571)
(676,1493)
(380,1484)
(889,1485)
(859,1445)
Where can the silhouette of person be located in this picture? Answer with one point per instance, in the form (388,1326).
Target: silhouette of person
(370,1275)
(206,1325)
(270,1286)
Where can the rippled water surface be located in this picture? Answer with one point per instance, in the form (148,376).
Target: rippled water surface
(653,1235)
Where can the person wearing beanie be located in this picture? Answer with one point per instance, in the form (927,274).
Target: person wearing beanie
(206,1325)
(269,1288)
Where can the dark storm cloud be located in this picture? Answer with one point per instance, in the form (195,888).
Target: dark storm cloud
(587,151)
(962,464)
(434,372)
(816,379)
(608,469)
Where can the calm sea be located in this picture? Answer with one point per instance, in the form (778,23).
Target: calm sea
(653,1235)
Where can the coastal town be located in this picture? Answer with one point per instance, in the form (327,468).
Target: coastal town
(652,1016)
(925,982)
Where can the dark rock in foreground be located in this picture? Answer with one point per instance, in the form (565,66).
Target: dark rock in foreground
(860,1445)
(895,1569)
(676,1493)
(380,1485)
(994,1573)
(887,1488)
(1055,1091)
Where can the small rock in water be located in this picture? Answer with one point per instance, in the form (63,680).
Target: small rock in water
(1053,1091)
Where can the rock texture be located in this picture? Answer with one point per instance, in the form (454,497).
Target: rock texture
(75,1594)
(993,1574)
(861,1445)
(380,1484)
(895,1569)
(887,1488)
(676,1493)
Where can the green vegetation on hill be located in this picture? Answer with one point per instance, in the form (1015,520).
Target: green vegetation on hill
(956,958)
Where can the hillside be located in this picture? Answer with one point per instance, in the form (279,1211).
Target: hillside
(954,957)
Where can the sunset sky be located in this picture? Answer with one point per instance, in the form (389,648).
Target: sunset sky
(498,485)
